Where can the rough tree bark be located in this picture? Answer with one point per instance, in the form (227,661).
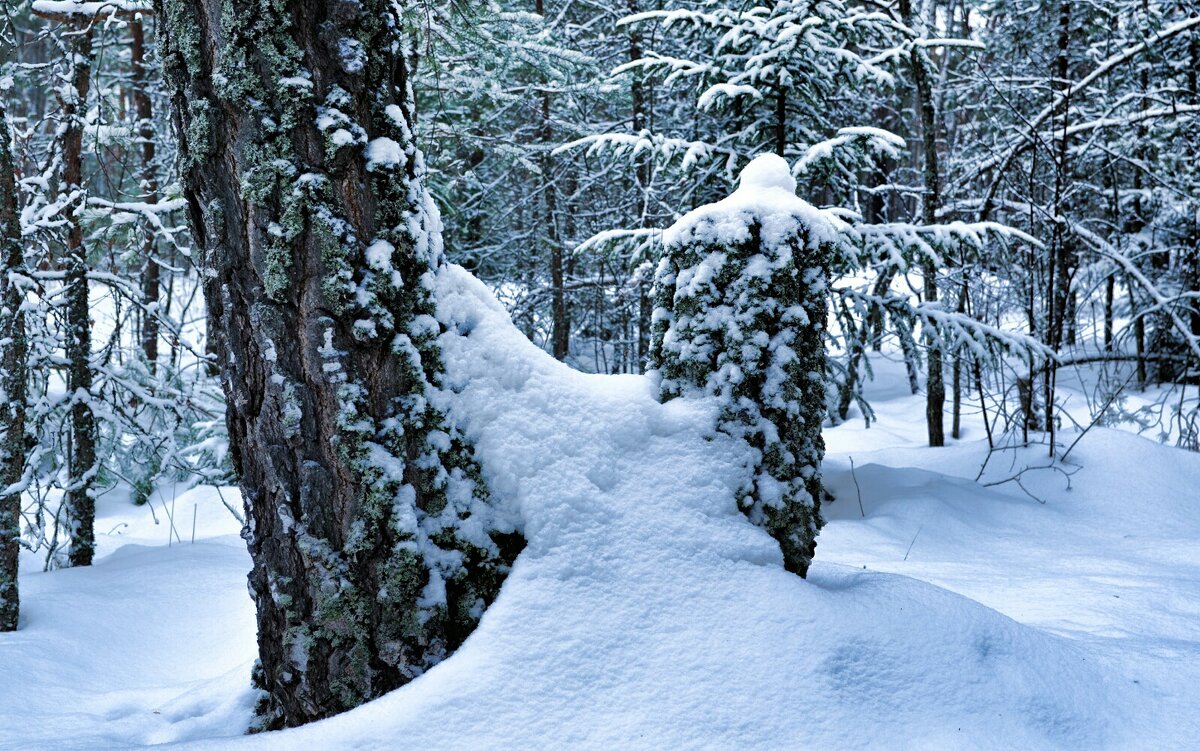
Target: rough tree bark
(13,372)
(79,499)
(320,246)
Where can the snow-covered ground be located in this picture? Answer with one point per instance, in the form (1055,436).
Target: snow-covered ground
(647,613)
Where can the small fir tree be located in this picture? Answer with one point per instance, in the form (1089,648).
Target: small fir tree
(741,302)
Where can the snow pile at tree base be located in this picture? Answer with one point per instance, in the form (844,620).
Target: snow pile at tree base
(150,645)
(648,613)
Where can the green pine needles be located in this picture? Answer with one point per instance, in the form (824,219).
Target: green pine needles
(740,316)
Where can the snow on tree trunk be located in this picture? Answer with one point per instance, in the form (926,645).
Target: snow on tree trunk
(13,373)
(80,498)
(931,198)
(375,544)
(148,184)
(740,299)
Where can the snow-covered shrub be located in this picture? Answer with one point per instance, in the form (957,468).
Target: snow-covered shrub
(740,297)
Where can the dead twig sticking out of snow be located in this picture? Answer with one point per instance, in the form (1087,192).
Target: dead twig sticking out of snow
(857,489)
(1016,478)
(914,542)
(241,519)
(1098,415)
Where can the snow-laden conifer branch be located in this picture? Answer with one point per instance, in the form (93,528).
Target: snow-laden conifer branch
(999,164)
(952,329)
(80,10)
(679,152)
(877,140)
(1162,301)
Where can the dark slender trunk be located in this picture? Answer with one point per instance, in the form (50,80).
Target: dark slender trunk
(560,334)
(908,347)
(987,425)
(1062,256)
(879,210)
(320,248)
(638,106)
(876,317)
(1109,289)
(637,96)
(561,324)
(855,338)
(151,270)
(14,362)
(1139,335)
(1191,259)
(956,429)
(781,134)
(935,387)
(1159,257)
(1071,313)
(1112,182)
(79,499)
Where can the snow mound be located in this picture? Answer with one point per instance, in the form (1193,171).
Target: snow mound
(766,172)
(647,612)
(766,196)
(148,646)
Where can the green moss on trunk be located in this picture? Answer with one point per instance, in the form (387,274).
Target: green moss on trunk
(740,315)
(320,243)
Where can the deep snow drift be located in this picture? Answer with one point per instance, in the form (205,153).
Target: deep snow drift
(647,612)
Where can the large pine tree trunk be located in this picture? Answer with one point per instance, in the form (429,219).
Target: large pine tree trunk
(13,371)
(320,248)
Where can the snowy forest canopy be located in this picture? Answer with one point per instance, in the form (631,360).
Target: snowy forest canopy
(996,195)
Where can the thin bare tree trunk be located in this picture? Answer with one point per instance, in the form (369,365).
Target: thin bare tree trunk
(956,429)
(1109,289)
(560,334)
(79,499)
(638,106)
(13,380)
(151,271)
(781,134)
(935,387)
(1061,258)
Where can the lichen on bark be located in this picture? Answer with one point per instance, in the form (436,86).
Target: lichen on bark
(740,295)
(320,245)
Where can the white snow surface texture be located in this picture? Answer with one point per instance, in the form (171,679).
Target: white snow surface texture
(648,613)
